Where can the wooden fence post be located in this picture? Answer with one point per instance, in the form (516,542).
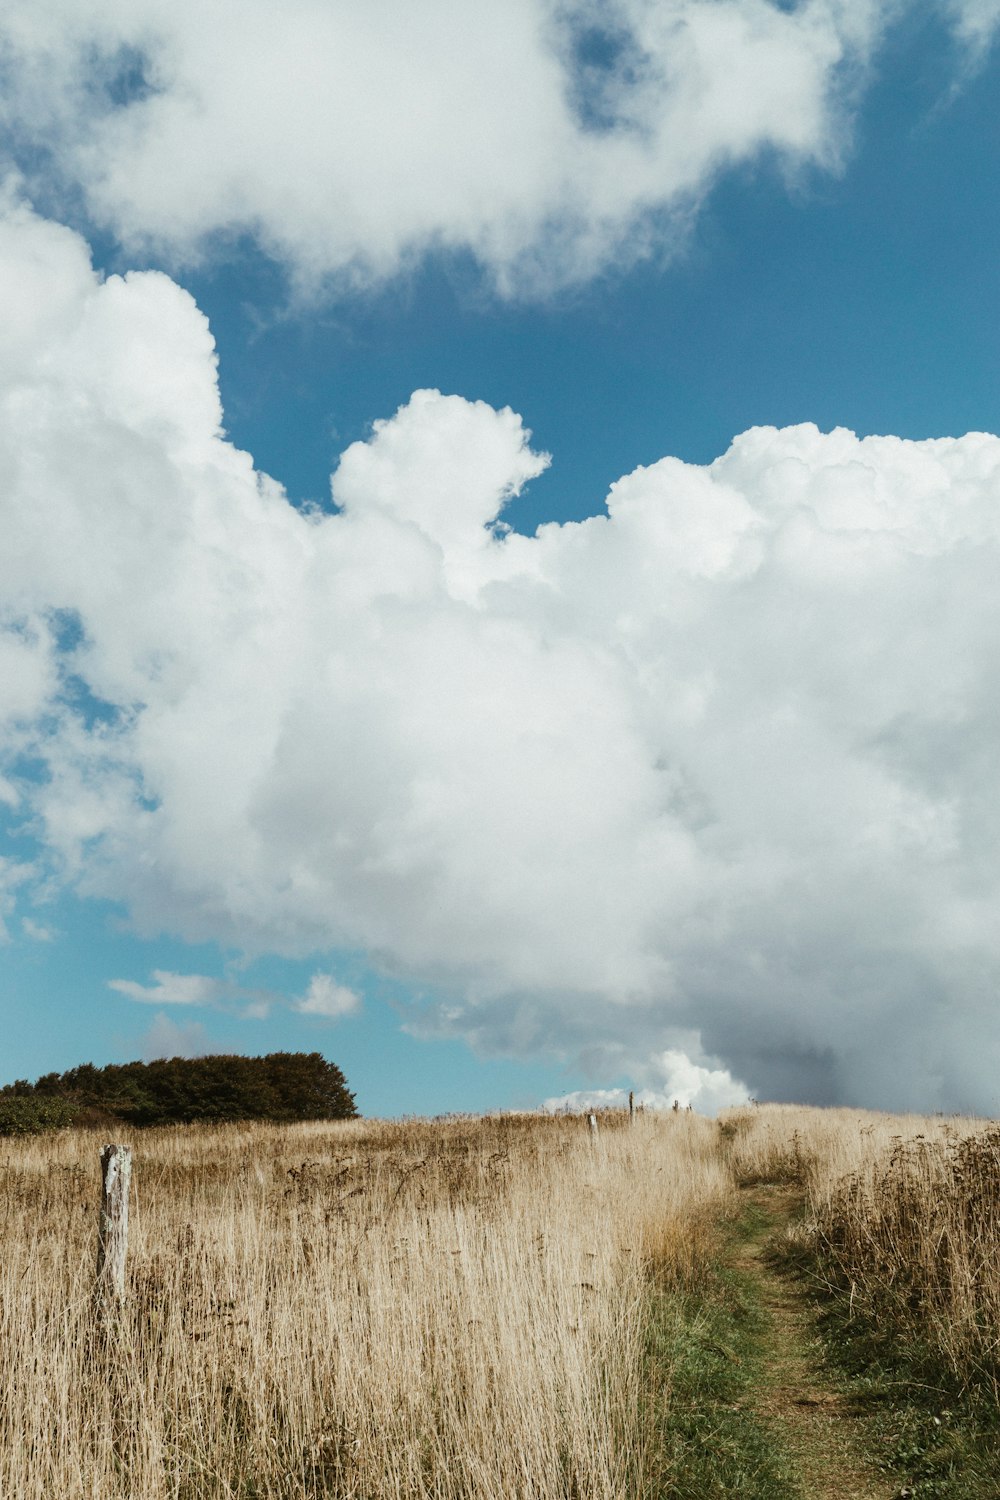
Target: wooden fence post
(592,1122)
(631,1107)
(112,1233)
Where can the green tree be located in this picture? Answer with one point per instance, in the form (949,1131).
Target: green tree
(284,1086)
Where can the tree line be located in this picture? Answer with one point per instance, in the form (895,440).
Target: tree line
(281,1087)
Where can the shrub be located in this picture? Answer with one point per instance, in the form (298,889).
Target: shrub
(32,1114)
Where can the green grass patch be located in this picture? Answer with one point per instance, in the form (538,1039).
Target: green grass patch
(938,1439)
(704,1354)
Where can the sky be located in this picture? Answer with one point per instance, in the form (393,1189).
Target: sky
(500,526)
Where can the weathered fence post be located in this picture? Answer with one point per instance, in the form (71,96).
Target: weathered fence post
(631,1107)
(112,1233)
(592,1122)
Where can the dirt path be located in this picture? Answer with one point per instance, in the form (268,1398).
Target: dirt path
(794,1396)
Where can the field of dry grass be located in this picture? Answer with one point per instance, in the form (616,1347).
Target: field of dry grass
(438,1309)
(354,1309)
(902,1213)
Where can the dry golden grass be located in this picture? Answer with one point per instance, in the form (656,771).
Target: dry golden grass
(819,1148)
(451,1309)
(903,1214)
(442,1310)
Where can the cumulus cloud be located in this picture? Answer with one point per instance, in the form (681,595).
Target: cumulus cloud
(202,990)
(975,23)
(324,998)
(37,931)
(15,876)
(165,1038)
(328,999)
(712,772)
(683,1082)
(26,671)
(548,139)
(171,989)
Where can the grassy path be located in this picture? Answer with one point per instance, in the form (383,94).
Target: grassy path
(752,1409)
(795,1396)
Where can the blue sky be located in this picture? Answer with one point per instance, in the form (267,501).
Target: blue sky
(697,799)
(736,331)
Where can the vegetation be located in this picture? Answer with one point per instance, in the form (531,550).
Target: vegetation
(897,1244)
(915,1236)
(31,1113)
(475,1309)
(282,1087)
(356,1309)
(706,1343)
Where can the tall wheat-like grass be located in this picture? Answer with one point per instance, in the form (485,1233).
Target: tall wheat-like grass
(820,1148)
(902,1214)
(355,1309)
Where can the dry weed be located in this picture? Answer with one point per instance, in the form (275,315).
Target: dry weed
(353,1309)
(902,1213)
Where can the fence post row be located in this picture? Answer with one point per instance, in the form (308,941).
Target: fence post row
(112,1233)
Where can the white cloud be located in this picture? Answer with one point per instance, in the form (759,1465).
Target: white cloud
(547,139)
(682,1082)
(326,998)
(710,774)
(27,671)
(15,876)
(171,989)
(165,1038)
(198,989)
(975,23)
(37,931)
